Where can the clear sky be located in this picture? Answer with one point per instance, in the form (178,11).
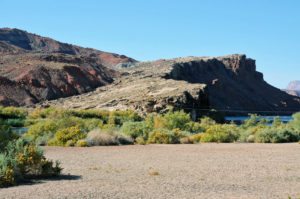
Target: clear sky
(265,30)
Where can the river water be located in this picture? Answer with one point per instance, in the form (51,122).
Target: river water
(284,119)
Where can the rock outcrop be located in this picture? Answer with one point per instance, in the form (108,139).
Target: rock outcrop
(229,83)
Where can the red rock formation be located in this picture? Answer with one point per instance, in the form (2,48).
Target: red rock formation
(35,68)
(32,42)
(12,94)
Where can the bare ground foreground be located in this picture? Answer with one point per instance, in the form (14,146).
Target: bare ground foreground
(183,171)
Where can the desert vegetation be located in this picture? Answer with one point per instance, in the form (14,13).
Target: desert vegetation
(21,158)
(61,127)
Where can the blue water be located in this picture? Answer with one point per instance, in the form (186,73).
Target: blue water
(20,130)
(284,119)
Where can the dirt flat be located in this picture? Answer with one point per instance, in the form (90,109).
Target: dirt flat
(170,171)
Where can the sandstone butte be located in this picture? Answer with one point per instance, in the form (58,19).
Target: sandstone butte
(39,71)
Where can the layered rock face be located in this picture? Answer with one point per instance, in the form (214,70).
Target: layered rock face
(34,68)
(229,83)
(234,84)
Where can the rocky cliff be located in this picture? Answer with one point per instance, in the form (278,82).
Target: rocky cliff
(229,83)
(35,68)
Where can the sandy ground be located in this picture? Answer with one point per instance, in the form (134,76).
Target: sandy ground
(184,171)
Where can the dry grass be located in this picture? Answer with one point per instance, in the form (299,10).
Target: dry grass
(154,173)
(98,137)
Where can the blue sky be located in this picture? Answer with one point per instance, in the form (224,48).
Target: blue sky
(265,30)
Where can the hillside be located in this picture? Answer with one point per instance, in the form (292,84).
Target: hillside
(35,43)
(35,68)
(192,83)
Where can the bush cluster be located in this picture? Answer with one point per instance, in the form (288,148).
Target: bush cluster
(12,113)
(21,159)
(99,127)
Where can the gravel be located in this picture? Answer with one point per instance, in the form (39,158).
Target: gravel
(170,171)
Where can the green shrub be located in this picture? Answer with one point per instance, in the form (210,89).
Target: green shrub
(118,118)
(41,129)
(73,133)
(82,143)
(68,143)
(16,122)
(160,122)
(163,136)
(295,123)
(158,136)
(275,135)
(54,142)
(99,114)
(176,135)
(43,113)
(196,138)
(194,127)
(12,113)
(7,175)
(5,135)
(70,121)
(221,133)
(91,123)
(206,122)
(136,129)
(177,119)
(44,139)
(140,140)
(21,159)
(244,136)
(277,122)
(251,122)
(252,130)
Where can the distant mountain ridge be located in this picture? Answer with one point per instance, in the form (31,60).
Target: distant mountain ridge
(294,85)
(35,68)
(293,88)
(36,43)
